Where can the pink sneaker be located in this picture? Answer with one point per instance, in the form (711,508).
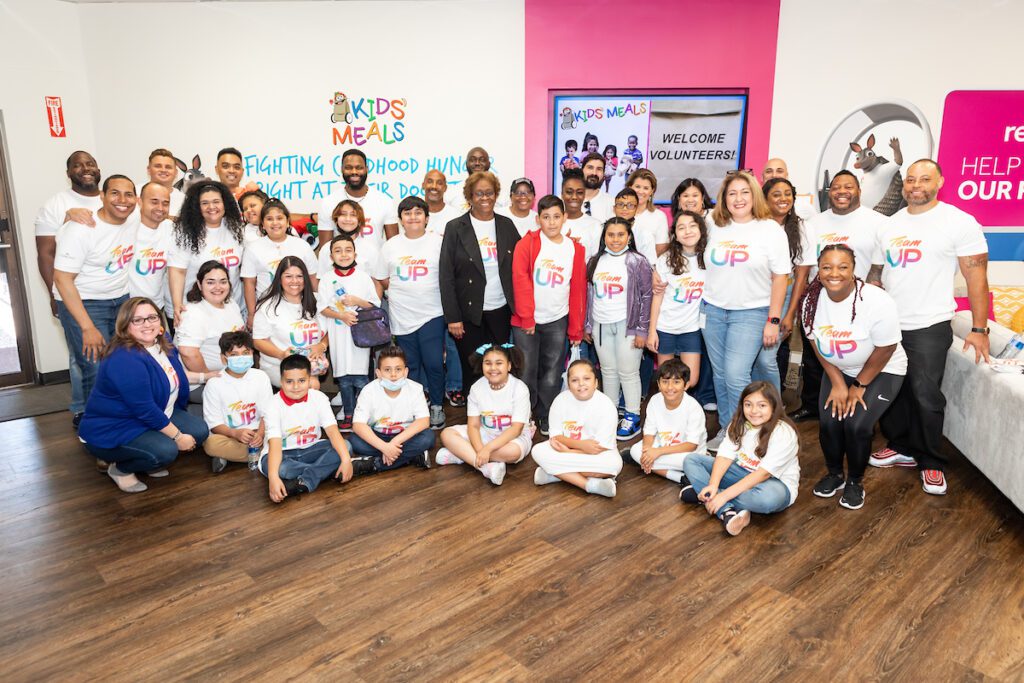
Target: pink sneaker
(887,457)
(933,482)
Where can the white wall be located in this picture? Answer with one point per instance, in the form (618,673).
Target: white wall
(41,53)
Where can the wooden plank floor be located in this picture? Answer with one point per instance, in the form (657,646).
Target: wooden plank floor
(437,575)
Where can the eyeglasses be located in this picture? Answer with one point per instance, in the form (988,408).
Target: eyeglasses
(488,194)
(148,320)
(522,193)
(625,205)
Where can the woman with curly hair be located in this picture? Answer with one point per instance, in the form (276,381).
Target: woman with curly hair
(210,228)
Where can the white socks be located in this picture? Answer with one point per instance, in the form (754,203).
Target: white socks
(601,487)
(494,471)
(445,457)
(541,477)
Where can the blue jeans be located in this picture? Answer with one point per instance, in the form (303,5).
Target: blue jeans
(767,497)
(349,387)
(75,376)
(452,365)
(734,340)
(312,465)
(772,363)
(704,392)
(152,450)
(103,313)
(423,441)
(423,354)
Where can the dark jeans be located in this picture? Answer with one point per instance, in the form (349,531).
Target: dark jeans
(544,354)
(494,328)
(704,392)
(424,354)
(852,435)
(103,313)
(349,387)
(914,423)
(152,450)
(811,374)
(313,465)
(452,366)
(422,441)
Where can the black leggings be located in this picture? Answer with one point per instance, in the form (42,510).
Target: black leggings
(495,328)
(852,435)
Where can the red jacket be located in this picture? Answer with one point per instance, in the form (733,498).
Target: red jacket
(522,284)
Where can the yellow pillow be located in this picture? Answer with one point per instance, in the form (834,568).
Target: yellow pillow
(1017,323)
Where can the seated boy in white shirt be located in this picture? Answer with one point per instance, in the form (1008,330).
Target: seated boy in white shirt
(391,423)
(296,460)
(234,403)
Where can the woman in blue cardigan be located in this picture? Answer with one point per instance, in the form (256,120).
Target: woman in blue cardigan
(135,418)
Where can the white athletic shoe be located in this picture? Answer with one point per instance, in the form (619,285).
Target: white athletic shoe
(445,457)
(714,443)
(601,487)
(541,477)
(495,471)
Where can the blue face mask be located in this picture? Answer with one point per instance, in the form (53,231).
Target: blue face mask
(616,253)
(393,385)
(239,364)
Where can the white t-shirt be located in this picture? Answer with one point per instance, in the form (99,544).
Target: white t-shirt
(220,245)
(281,322)
(652,226)
(346,357)
(439,220)
(486,236)
(740,260)
(387,415)
(51,214)
(680,305)
(846,344)
(602,207)
(299,425)
(202,325)
(684,424)
(263,254)
(100,257)
(921,252)
(237,402)
(595,418)
(552,274)
(523,225)
(377,208)
(858,230)
(585,229)
(414,289)
(177,199)
(367,259)
(611,279)
(172,376)
(250,233)
(498,410)
(148,274)
(780,460)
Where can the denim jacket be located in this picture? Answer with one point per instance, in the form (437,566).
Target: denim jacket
(638,296)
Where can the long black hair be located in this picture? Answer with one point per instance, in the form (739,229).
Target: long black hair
(792,224)
(614,220)
(275,292)
(195,295)
(190,228)
(687,183)
(813,293)
(675,257)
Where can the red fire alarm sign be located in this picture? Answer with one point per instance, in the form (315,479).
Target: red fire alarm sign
(55,116)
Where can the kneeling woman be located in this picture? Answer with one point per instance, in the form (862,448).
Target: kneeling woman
(135,418)
(856,334)
(581,450)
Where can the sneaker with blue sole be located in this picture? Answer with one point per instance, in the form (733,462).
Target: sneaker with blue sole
(629,427)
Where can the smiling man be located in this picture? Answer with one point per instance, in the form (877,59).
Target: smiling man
(597,204)
(163,170)
(435,185)
(229,169)
(378,209)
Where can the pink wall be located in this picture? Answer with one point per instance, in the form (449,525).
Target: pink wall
(574,44)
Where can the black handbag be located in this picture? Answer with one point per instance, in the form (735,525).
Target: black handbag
(372,328)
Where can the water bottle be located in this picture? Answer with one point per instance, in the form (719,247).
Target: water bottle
(1013,348)
(254,458)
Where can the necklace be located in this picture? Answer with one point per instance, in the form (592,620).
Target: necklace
(499,388)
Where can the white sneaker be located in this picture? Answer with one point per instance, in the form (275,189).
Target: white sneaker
(541,477)
(711,407)
(445,457)
(336,401)
(933,482)
(495,471)
(601,487)
(714,443)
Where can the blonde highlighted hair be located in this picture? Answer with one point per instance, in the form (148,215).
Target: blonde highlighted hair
(648,175)
(760,210)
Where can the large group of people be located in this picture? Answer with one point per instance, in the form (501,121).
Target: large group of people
(212,318)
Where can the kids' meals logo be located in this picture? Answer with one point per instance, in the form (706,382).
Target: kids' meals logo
(358,120)
(833,342)
(570,117)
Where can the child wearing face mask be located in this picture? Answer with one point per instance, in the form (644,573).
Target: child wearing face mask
(234,403)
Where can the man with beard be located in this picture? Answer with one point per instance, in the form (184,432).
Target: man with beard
(381,218)
(434,187)
(477,159)
(229,169)
(923,244)
(162,170)
(849,223)
(78,203)
(596,203)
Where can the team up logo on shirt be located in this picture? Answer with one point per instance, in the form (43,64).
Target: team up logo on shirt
(748,461)
(304,333)
(172,375)
(832,342)
(488,249)
(662,439)
(832,238)
(729,253)
(241,414)
(573,430)
(608,286)
(150,261)
(227,257)
(385,425)
(902,252)
(688,290)
(547,274)
(272,266)
(496,423)
(297,437)
(411,269)
(120,256)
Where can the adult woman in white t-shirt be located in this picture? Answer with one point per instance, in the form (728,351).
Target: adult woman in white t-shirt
(286,322)
(649,220)
(209,228)
(209,313)
(264,253)
(691,195)
(855,331)
(747,261)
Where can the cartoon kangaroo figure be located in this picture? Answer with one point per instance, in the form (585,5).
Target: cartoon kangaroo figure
(191,175)
(881,187)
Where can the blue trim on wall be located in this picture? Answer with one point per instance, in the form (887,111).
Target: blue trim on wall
(1005,246)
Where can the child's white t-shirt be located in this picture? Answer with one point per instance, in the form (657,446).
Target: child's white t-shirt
(283,324)
(377,208)
(680,305)
(683,424)
(298,425)
(414,290)
(263,255)
(387,415)
(595,418)
(498,410)
(552,275)
(780,461)
(346,357)
(237,402)
(610,285)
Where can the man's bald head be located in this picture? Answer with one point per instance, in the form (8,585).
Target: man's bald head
(774,168)
(477,159)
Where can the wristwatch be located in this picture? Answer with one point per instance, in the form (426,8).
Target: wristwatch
(856,383)
(980,330)
(774,321)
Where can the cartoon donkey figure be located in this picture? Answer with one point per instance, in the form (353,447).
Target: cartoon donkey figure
(881,187)
(191,175)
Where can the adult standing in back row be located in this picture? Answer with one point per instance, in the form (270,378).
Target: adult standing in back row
(381,221)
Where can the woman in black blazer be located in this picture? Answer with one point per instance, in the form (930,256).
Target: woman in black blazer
(476,273)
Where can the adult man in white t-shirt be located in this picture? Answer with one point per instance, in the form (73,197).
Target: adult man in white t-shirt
(154,240)
(923,245)
(378,209)
(777,168)
(163,170)
(597,204)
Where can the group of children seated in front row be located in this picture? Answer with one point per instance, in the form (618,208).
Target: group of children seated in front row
(755,470)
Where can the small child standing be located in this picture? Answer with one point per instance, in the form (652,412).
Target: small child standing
(757,463)
(497,432)
(570,160)
(391,423)
(234,403)
(581,450)
(295,459)
(674,426)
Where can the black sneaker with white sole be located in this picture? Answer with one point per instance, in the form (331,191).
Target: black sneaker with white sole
(687,494)
(853,496)
(829,485)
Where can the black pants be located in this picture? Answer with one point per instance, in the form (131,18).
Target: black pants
(544,354)
(494,328)
(852,435)
(913,425)
(811,374)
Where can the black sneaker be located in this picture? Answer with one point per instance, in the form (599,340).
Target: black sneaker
(76,420)
(361,466)
(455,398)
(217,465)
(829,484)
(422,460)
(542,425)
(294,487)
(735,522)
(687,494)
(853,496)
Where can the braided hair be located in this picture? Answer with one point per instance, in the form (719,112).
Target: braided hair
(810,301)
